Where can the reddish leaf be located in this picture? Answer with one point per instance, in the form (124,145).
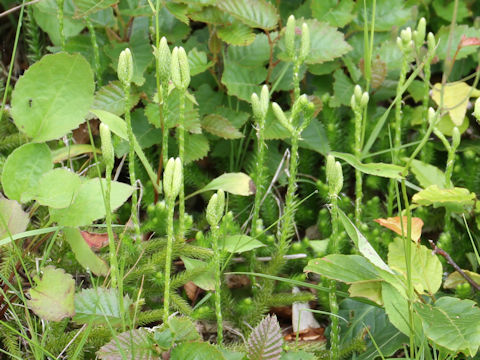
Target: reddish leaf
(94,240)
(469,41)
(393,223)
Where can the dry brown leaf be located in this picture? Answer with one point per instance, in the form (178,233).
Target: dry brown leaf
(94,240)
(393,223)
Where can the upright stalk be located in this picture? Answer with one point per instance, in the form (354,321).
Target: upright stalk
(172,181)
(215,211)
(427,73)
(96,51)
(125,74)
(335,184)
(60,18)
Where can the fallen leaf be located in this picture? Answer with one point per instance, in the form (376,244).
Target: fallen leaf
(94,240)
(314,334)
(393,223)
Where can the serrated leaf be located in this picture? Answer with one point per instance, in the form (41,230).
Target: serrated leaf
(88,205)
(427,174)
(456,34)
(452,323)
(84,254)
(236,34)
(393,223)
(210,15)
(326,43)
(236,118)
(455,99)
(53,96)
(336,13)
(454,199)
(23,169)
(220,126)
(111,98)
(86,7)
(342,87)
(196,147)
(183,329)
(426,269)
(131,344)
(198,62)
(378,169)
(52,297)
(265,342)
(196,351)
(100,306)
(254,55)
(242,81)
(254,13)
(233,183)
(14,219)
(239,243)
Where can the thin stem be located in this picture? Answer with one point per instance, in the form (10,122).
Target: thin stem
(218,283)
(60,17)
(332,296)
(358,173)
(296,80)
(426,97)
(168,258)
(96,52)
(181,154)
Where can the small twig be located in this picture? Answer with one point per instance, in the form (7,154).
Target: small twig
(439,251)
(18,7)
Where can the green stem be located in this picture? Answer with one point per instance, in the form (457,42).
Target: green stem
(218,283)
(168,258)
(358,173)
(332,296)
(131,161)
(424,155)
(260,176)
(60,17)
(96,51)
(296,80)
(181,154)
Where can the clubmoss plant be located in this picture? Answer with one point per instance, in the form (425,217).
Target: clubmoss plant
(358,104)
(215,210)
(96,51)
(335,183)
(180,73)
(125,74)
(172,183)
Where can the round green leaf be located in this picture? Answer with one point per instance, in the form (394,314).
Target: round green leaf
(196,351)
(57,188)
(23,169)
(53,96)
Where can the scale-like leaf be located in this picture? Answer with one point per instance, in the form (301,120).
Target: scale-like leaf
(220,126)
(265,341)
(454,199)
(254,13)
(100,306)
(131,344)
(53,96)
(52,297)
(452,323)
(23,169)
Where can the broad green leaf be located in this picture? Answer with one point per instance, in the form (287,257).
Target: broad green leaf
(345,268)
(388,14)
(362,243)
(239,243)
(196,351)
(447,9)
(206,280)
(100,306)
(72,151)
(45,13)
(254,55)
(396,307)
(22,170)
(111,98)
(427,174)
(57,188)
(295,355)
(336,13)
(254,13)
(196,147)
(242,81)
(170,26)
(220,126)
(454,199)
(452,323)
(455,279)
(86,7)
(446,125)
(455,99)
(274,130)
(426,269)
(172,108)
(84,254)
(326,43)
(359,315)
(198,62)
(210,14)
(52,297)
(236,34)
(342,89)
(183,329)
(236,118)
(233,183)
(371,290)
(131,344)
(53,96)
(443,35)
(314,138)
(13,220)
(88,205)
(378,169)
